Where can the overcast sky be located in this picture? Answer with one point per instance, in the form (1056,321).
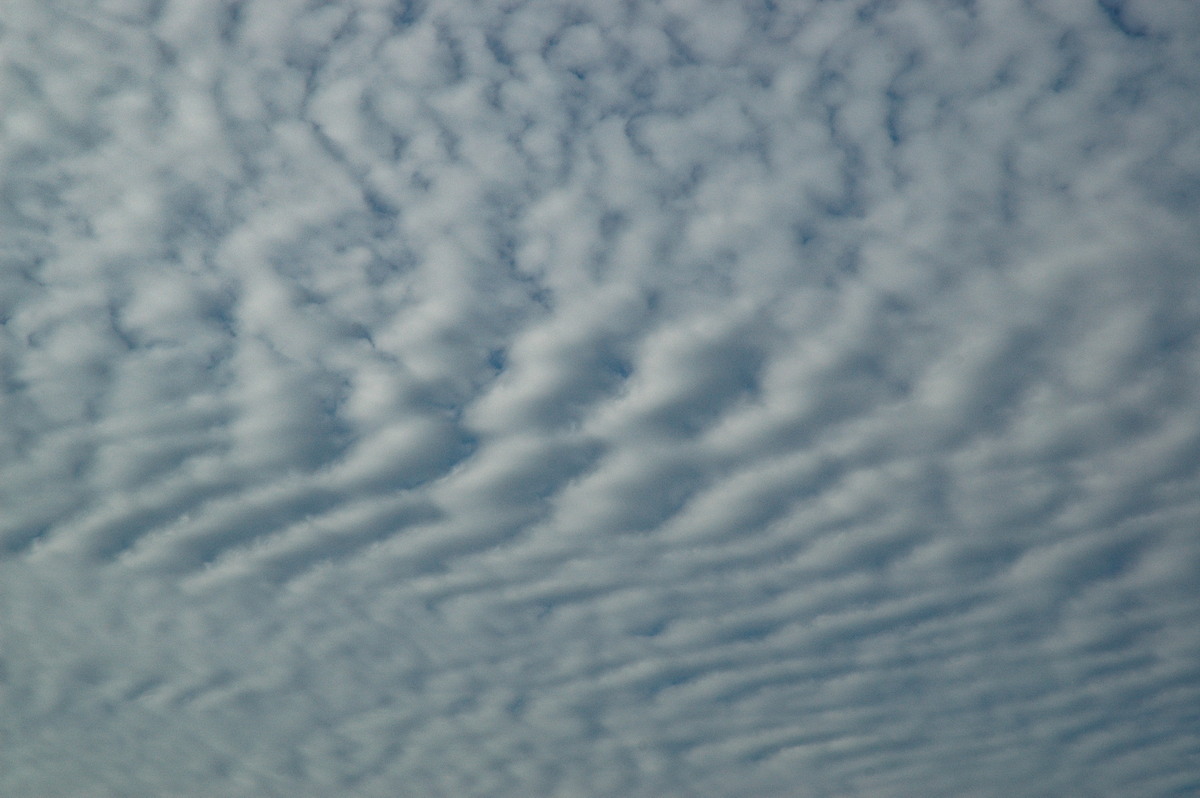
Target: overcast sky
(648,398)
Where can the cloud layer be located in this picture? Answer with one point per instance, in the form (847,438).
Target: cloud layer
(645,399)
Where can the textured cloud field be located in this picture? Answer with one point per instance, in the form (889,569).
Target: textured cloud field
(530,397)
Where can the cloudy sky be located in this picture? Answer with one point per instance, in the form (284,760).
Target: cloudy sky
(599,398)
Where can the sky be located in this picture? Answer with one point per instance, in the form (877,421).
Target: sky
(640,398)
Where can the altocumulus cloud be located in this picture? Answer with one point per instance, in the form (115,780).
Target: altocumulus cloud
(683,398)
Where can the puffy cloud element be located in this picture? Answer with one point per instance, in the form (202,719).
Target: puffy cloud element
(642,399)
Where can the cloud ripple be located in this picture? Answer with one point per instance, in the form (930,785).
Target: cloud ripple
(644,399)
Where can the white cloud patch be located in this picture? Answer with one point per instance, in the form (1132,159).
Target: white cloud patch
(643,399)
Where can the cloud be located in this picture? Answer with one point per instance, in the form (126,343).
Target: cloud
(696,398)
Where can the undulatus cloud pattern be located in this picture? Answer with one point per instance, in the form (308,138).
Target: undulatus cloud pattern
(532,397)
